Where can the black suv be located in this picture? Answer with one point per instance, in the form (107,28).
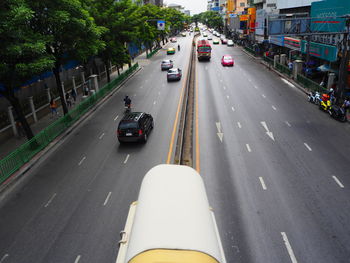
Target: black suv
(135,126)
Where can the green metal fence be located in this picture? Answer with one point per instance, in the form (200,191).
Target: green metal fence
(283,69)
(149,55)
(16,159)
(268,60)
(251,51)
(309,84)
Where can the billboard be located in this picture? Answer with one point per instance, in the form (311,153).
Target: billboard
(322,13)
(322,51)
(288,27)
(260,21)
(282,4)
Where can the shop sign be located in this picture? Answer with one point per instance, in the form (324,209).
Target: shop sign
(322,51)
(322,14)
(244,17)
(260,22)
(292,43)
(277,40)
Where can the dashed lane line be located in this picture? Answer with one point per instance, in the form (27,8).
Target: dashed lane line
(107,198)
(263,95)
(307,146)
(77,259)
(256,87)
(289,247)
(227,96)
(263,185)
(82,160)
(239,125)
(101,136)
(232,108)
(4,257)
(127,158)
(338,181)
(273,107)
(248,147)
(288,124)
(154,103)
(224,88)
(116,117)
(50,200)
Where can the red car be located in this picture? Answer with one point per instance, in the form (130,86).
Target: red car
(227,60)
(173,40)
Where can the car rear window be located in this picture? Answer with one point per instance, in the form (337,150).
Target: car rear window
(172,70)
(128,125)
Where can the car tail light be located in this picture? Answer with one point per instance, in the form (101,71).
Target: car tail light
(140,132)
(119,132)
(178,75)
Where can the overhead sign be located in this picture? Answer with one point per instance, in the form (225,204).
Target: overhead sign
(161,25)
(292,43)
(322,51)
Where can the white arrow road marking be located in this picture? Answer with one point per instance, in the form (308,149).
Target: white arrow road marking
(239,125)
(273,107)
(288,124)
(337,181)
(289,247)
(232,108)
(263,185)
(127,158)
(50,200)
(4,257)
(82,160)
(219,133)
(307,146)
(248,147)
(270,134)
(77,259)
(103,134)
(116,117)
(107,198)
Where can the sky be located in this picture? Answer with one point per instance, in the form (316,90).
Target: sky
(195,6)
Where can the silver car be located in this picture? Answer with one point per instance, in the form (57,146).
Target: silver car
(166,64)
(174,74)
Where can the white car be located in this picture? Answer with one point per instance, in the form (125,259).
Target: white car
(229,43)
(210,38)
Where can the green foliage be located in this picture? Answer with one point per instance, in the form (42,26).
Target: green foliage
(211,18)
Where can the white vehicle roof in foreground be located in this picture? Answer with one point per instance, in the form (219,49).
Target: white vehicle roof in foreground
(173,213)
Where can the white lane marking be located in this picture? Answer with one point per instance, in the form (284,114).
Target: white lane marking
(263,95)
(77,259)
(255,87)
(103,134)
(239,125)
(307,146)
(219,133)
(289,125)
(141,87)
(337,181)
(262,183)
(220,80)
(107,198)
(249,80)
(82,160)
(273,107)
(154,103)
(227,96)
(50,200)
(206,68)
(127,158)
(158,92)
(224,88)
(289,247)
(288,83)
(270,134)
(4,257)
(248,147)
(232,108)
(116,117)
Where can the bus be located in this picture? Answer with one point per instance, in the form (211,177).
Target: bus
(171,221)
(203,50)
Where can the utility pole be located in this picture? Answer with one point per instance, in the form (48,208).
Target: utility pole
(343,69)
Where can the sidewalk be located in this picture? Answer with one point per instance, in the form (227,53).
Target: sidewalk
(14,142)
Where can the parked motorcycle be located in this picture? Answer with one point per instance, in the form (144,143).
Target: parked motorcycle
(325,103)
(314,97)
(338,113)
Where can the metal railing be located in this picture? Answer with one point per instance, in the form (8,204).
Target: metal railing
(16,159)
(309,84)
(283,69)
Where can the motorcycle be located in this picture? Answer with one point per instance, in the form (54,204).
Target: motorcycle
(314,97)
(127,108)
(338,113)
(325,103)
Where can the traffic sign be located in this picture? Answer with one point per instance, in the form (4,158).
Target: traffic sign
(161,25)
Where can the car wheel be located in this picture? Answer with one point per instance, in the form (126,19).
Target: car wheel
(152,124)
(145,138)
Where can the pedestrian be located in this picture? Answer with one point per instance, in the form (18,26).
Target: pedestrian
(86,90)
(53,107)
(290,65)
(20,129)
(346,105)
(73,93)
(68,100)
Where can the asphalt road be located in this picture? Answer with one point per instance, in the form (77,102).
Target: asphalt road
(275,179)
(273,165)
(77,200)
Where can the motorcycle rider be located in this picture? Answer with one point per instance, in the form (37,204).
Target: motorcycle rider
(178,47)
(127,101)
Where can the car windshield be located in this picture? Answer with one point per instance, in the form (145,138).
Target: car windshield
(227,58)
(128,125)
(204,49)
(166,62)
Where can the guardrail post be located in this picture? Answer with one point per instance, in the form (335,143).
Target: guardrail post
(64,93)
(283,58)
(94,79)
(297,68)
(12,120)
(32,107)
(48,94)
(276,59)
(83,77)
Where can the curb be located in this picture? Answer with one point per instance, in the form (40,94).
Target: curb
(14,179)
(298,86)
